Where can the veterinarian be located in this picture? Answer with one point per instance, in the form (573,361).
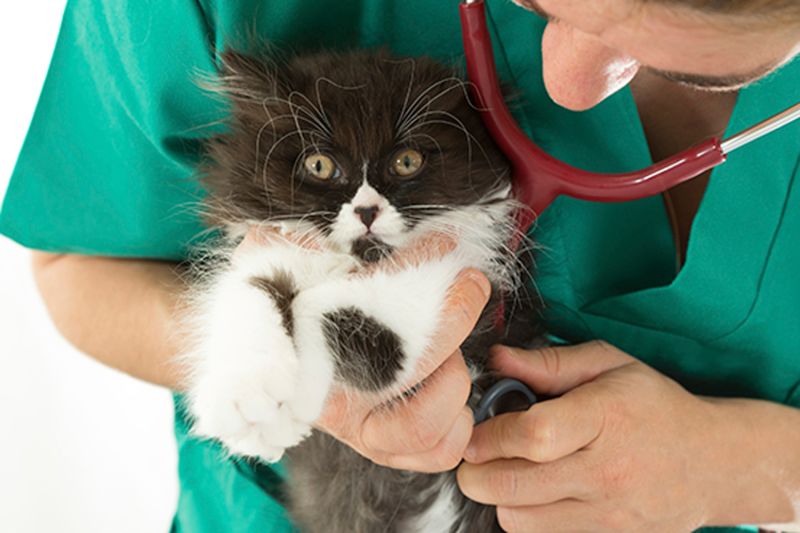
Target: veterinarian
(684,415)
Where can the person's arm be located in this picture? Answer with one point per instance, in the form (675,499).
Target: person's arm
(119,311)
(124,313)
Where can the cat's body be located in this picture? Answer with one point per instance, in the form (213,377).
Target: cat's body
(357,156)
(335,489)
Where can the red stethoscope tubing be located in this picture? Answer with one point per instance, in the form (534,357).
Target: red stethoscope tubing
(537,176)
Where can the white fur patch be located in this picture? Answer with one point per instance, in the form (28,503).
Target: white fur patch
(247,380)
(258,390)
(441,515)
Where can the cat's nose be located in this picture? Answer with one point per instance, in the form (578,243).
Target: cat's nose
(367,214)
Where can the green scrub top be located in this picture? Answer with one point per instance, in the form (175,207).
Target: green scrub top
(107,169)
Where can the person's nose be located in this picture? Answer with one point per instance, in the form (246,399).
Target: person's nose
(579,70)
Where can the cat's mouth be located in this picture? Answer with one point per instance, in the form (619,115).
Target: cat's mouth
(370,249)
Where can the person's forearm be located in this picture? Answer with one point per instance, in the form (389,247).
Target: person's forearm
(761,454)
(121,312)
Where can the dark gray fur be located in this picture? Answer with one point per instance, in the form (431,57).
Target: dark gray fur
(369,354)
(282,290)
(333,489)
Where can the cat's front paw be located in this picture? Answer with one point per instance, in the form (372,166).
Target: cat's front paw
(250,415)
(245,372)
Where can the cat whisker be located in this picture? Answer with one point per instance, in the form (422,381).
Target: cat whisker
(296,109)
(487,242)
(321,107)
(420,103)
(271,122)
(275,145)
(316,114)
(409,139)
(408,92)
(457,125)
(415,122)
(338,86)
(298,218)
(413,209)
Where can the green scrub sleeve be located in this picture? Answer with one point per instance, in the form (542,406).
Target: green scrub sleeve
(107,164)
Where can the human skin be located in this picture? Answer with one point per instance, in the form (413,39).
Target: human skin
(581,66)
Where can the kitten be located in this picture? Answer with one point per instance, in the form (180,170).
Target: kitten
(362,154)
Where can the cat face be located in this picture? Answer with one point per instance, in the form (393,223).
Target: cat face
(365,149)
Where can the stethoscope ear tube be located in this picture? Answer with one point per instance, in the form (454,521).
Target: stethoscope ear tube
(762,128)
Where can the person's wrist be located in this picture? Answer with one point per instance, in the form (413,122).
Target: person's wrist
(717,484)
(744,463)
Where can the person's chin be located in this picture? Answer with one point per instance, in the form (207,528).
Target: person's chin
(582,95)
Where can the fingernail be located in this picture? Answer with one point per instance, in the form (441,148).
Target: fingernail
(471,453)
(499,350)
(481,281)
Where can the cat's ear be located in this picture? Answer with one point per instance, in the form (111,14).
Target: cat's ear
(246,78)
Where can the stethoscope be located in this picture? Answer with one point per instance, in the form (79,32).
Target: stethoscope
(540,178)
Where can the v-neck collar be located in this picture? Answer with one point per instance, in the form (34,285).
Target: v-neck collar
(732,233)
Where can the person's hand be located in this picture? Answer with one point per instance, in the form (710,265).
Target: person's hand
(429,430)
(623,448)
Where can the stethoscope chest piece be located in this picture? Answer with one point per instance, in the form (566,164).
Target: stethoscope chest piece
(505,396)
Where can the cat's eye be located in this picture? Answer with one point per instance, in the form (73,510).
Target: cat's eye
(406,162)
(321,166)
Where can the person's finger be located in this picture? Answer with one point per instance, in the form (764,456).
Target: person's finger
(554,370)
(466,298)
(445,456)
(344,414)
(517,482)
(417,423)
(546,432)
(561,516)
(433,245)
(428,247)
(264,236)
(256,237)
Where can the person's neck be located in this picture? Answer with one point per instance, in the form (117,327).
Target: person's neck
(675,117)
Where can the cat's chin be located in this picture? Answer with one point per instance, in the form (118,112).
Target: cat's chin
(370,249)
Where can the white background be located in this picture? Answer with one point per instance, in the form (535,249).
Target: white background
(83,448)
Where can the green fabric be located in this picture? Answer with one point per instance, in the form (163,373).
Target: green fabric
(107,169)
(219,493)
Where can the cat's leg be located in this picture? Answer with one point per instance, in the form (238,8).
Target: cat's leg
(244,368)
(374,328)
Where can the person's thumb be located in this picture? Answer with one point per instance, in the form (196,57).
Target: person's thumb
(464,304)
(554,370)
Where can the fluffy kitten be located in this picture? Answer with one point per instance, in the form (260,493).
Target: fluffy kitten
(361,154)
